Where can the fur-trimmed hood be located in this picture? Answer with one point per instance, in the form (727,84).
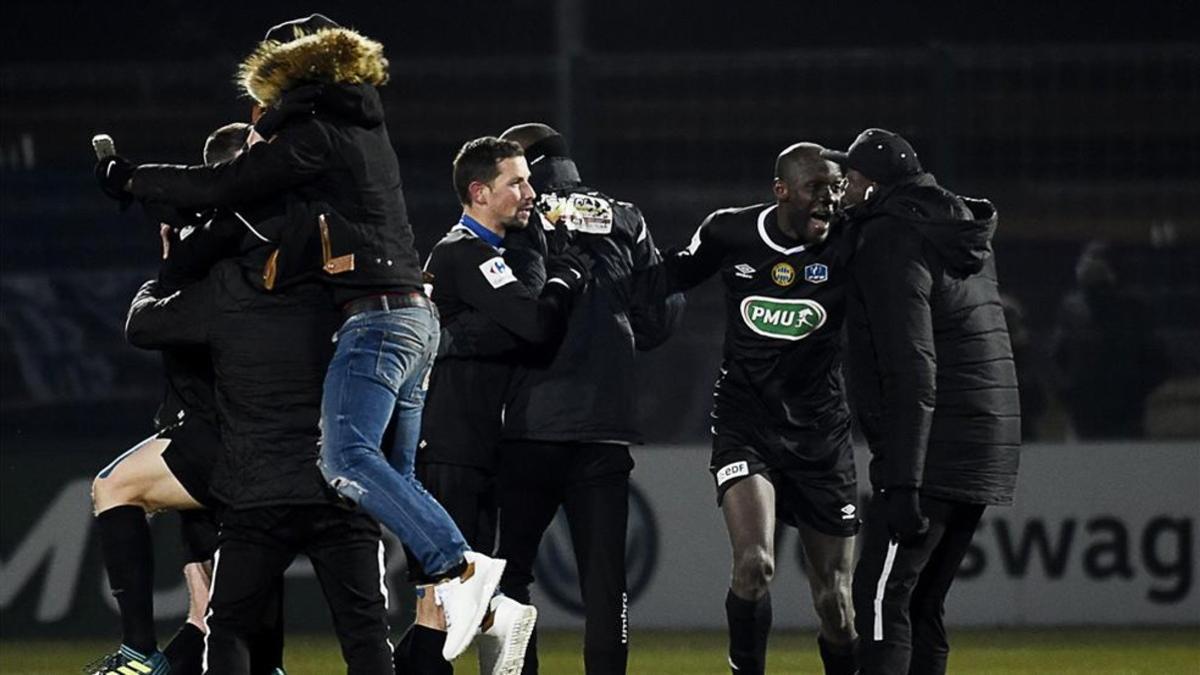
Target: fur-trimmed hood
(328,56)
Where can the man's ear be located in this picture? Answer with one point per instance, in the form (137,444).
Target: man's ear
(479,193)
(780,189)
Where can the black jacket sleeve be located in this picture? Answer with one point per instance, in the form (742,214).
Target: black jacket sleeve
(653,316)
(688,267)
(504,300)
(157,320)
(898,304)
(293,157)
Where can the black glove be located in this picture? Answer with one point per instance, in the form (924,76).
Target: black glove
(572,268)
(113,174)
(296,102)
(902,510)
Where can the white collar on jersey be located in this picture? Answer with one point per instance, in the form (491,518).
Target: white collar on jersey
(459,227)
(762,232)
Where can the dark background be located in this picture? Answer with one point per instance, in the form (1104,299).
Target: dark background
(1076,119)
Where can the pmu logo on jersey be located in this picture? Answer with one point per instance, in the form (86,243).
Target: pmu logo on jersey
(816,273)
(783,274)
(782,319)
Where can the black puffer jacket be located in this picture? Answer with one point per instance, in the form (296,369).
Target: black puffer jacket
(270,353)
(328,145)
(585,391)
(932,379)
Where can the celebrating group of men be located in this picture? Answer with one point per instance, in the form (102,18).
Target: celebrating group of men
(461,405)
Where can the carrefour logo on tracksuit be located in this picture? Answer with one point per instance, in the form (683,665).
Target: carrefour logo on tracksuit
(782,319)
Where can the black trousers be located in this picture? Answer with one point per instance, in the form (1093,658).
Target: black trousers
(591,482)
(468,494)
(900,591)
(257,545)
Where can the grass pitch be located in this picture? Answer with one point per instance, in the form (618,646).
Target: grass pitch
(1077,651)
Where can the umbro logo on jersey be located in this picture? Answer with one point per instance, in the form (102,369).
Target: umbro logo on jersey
(817,273)
(743,271)
(849,511)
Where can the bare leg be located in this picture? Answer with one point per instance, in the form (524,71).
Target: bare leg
(135,483)
(419,652)
(141,478)
(830,571)
(749,509)
(199,579)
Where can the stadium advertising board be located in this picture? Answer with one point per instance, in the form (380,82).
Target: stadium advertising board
(1100,534)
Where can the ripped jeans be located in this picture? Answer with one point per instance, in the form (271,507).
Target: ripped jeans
(379,375)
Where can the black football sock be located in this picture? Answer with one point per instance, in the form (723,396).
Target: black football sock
(420,653)
(749,626)
(838,659)
(129,560)
(185,651)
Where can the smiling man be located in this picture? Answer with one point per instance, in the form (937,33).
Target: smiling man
(781,427)
(461,426)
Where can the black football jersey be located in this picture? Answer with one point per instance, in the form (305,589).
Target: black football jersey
(462,418)
(784,306)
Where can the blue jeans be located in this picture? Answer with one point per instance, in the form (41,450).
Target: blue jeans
(378,375)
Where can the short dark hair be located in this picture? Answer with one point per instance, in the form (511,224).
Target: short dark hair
(224,143)
(479,160)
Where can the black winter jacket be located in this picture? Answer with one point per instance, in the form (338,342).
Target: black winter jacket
(270,353)
(189,373)
(932,379)
(330,148)
(584,390)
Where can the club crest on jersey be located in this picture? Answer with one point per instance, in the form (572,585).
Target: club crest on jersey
(783,274)
(816,273)
(782,319)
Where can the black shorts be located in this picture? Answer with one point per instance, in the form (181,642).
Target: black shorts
(813,473)
(191,456)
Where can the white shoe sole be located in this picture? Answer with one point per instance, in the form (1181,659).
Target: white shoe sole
(512,654)
(491,579)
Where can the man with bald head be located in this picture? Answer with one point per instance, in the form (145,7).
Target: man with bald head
(781,426)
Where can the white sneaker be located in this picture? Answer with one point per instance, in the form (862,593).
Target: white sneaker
(502,644)
(464,600)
